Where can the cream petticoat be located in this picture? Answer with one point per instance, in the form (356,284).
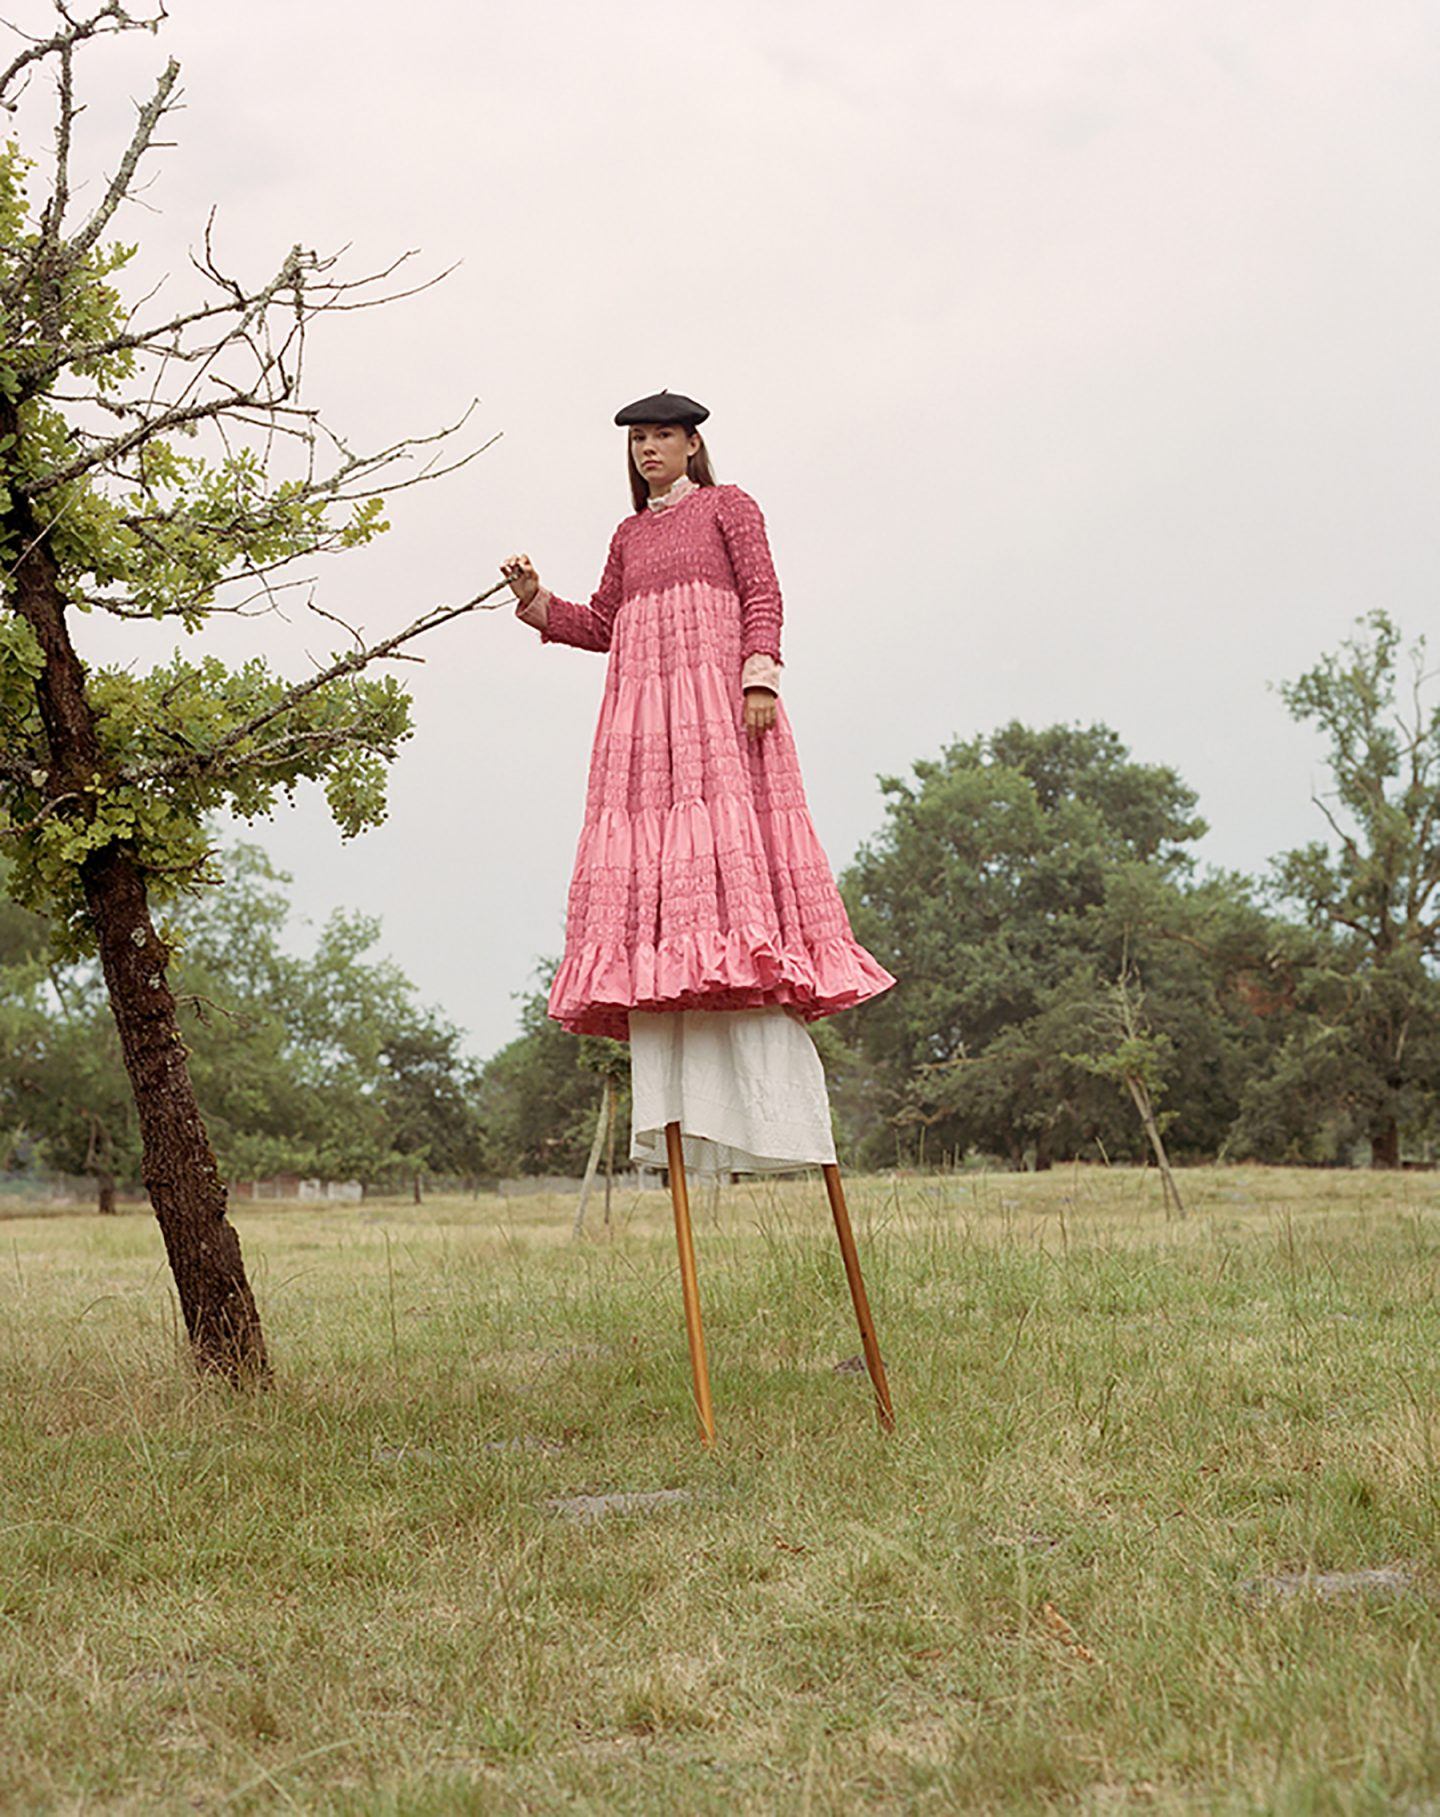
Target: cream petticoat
(745,1085)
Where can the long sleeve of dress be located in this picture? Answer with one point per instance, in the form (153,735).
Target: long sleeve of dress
(761,611)
(566,621)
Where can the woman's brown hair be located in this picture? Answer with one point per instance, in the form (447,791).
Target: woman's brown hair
(698,467)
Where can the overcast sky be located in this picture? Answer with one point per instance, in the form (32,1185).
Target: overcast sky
(1083,358)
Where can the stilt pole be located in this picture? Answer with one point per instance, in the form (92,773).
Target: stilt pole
(869,1343)
(689,1286)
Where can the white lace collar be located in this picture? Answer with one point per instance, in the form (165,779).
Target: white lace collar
(680,488)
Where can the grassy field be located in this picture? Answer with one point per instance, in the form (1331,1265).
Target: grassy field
(1093,1570)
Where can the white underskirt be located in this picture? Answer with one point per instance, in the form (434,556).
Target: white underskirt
(745,1085)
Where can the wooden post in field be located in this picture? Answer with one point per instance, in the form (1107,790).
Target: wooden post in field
(602,1123)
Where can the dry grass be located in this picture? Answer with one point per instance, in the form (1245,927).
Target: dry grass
(351,1594)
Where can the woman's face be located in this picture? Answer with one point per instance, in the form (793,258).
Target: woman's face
(660,451)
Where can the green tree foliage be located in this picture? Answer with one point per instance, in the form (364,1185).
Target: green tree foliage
(64,1099)
(321,1063)
(67,1084)
(425,1097)
(539,1096)
(1014,879)
(1361,1061)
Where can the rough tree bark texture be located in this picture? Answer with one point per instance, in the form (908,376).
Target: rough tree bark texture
(178,1165)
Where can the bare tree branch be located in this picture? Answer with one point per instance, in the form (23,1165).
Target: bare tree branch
(1352,851)
(109,452)
(283,751)
(150,116)
(47,812)
(54,211)
(199,600)
(112,17)
(201,761)
(149,338)
(322,296)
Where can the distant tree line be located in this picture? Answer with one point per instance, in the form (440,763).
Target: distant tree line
(1035,892)
(322,1064)
(1025,882)
(1060,957)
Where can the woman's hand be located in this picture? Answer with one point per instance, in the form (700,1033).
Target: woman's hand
(759,711)
(519,570)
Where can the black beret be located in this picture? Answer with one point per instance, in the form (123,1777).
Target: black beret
(664,407)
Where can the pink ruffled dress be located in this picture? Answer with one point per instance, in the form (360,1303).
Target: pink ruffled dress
(699,881)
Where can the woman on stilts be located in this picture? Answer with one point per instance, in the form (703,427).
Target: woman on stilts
(699,884)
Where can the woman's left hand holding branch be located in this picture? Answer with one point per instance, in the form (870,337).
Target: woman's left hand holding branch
(519,570)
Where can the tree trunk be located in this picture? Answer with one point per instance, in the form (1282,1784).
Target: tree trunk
(594,1159)
(1140,1093)
(1385,1145)
(177,1163)
(418,1199)
(97,1164)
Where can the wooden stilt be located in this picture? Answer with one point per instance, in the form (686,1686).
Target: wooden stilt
(689,1286)
(884,1411)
